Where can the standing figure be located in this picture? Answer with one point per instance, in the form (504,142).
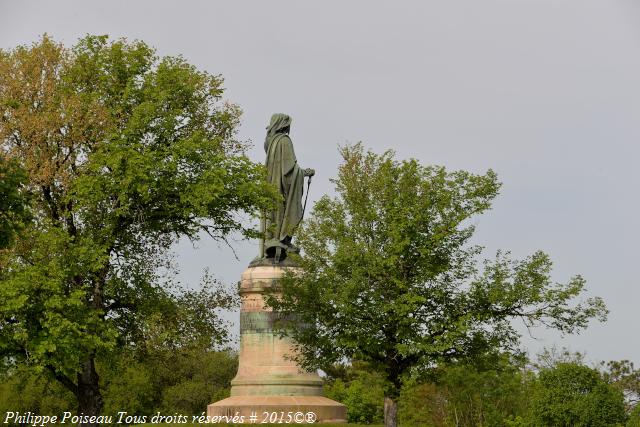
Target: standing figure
(284,173)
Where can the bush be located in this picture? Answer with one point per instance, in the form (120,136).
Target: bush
(23,390)
(492,391)
(634,417)
(129,387)
(573,395)
(360,391)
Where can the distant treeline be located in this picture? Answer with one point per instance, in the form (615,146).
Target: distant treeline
(558,389)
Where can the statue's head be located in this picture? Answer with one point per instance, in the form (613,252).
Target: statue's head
(280,123)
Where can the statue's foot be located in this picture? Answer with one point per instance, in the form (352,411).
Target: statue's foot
(293,249)
(286,242)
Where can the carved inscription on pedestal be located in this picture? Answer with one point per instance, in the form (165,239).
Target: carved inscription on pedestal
(252,302)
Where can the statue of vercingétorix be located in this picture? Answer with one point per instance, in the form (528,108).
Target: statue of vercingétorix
(283,171)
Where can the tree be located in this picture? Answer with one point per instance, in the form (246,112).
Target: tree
(359,389)
(124,152)
(170,381)
(634,417)
(491,391)
(485,394)
(553,356)
(626,378)
(22,390)
(573,395)
(13,204)
(388,277)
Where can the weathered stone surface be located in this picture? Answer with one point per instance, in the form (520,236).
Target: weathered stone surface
(324,410)
(267,379)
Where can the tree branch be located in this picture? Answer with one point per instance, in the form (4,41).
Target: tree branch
(63,379)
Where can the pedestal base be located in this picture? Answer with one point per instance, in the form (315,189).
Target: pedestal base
(324,410)
(270,386)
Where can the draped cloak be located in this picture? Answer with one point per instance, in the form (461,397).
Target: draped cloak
(285,174)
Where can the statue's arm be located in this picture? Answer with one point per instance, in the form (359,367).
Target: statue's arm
(289,161)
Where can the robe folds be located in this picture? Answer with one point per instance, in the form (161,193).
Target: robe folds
(285,174)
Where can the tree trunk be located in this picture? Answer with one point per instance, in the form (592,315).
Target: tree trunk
(89,397)
(390,412)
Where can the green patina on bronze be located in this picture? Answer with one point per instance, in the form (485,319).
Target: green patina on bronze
(283,171)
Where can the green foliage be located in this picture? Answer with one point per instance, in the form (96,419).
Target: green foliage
(361,391)
(183,381)
(128,385)
(485,396)
(422,405)
(388,276)
(623,375)
(492,393)
(572,395)
(262,425)
(124,153)
(551,357)
(199,378)
(13,203)
(23,389)
(634,417)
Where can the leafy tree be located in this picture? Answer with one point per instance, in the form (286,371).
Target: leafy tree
(489,392)
(423,404)
(359,389)
(485,395)
(573,395)
(185,381)
(128,384)
(634,417)
(623,375)
(171,381)
(203,377)
(22,389)
(13,204)
(388,277)
(171,369)
(550,357)
(124,152)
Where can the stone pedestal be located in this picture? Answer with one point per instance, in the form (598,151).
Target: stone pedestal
(267,381)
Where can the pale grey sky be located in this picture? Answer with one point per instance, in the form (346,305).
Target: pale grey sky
(545,92)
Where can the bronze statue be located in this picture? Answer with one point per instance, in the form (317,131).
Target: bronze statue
(285,174)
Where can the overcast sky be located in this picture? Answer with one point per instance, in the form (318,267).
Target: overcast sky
(544,92)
